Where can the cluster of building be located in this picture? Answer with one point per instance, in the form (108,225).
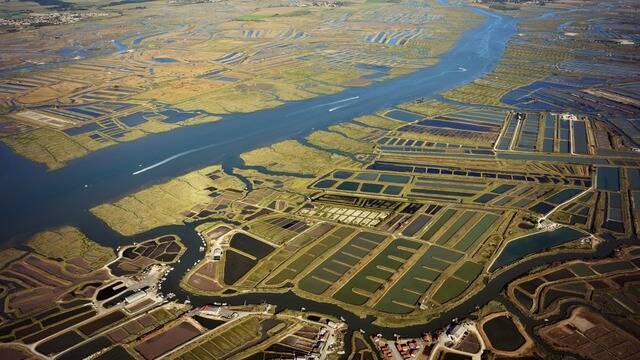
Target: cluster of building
(458,337)
(405,349)
(54,18)
(408,349)
(317,346)
(219,312)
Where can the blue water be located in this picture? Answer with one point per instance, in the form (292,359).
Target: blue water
(524,97)
(608,178)
(455,125)
(120,46)
(135,118)
(165,59)
(72,52)
(380,70)
(67,53)
(534,243)
(89,113)
(137,41)
(34,199)
(82,129)
(174,116)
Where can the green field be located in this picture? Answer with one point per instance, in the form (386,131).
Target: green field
(309,255)
(479,229)
(435,226)
(330,270)
(371,277)
(406,292)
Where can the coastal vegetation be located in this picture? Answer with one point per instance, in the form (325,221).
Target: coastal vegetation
(291,156)
(69,243)
(167,203)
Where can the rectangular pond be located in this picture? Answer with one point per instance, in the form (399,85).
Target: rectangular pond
(608,178)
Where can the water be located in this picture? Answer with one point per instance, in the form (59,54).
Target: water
(68,53)
(379,70)
(165,59)
(120,46)
(403,115)
(608,178)
(72,52)
(35,199)
(534,243)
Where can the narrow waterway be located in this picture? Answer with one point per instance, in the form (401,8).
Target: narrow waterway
(187,233)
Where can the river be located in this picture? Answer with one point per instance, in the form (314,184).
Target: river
(35,199)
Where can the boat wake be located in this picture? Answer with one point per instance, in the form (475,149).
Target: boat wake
(337,102)
(170,158)
(337,108)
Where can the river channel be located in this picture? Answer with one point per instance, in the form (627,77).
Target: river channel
(34,199)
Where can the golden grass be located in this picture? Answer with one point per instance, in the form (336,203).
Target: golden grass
(50,147)
(379,122)
(336,141)
(165,203)
(353,131)
(293,157)
(70,243)
(429,108)
(50,93)
(521,64)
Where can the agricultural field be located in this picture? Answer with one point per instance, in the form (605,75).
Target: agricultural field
(257,335)
(597,298)
(595,327)
(541,293)
(71,245)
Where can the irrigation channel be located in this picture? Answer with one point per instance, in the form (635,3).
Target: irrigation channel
(34,199)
